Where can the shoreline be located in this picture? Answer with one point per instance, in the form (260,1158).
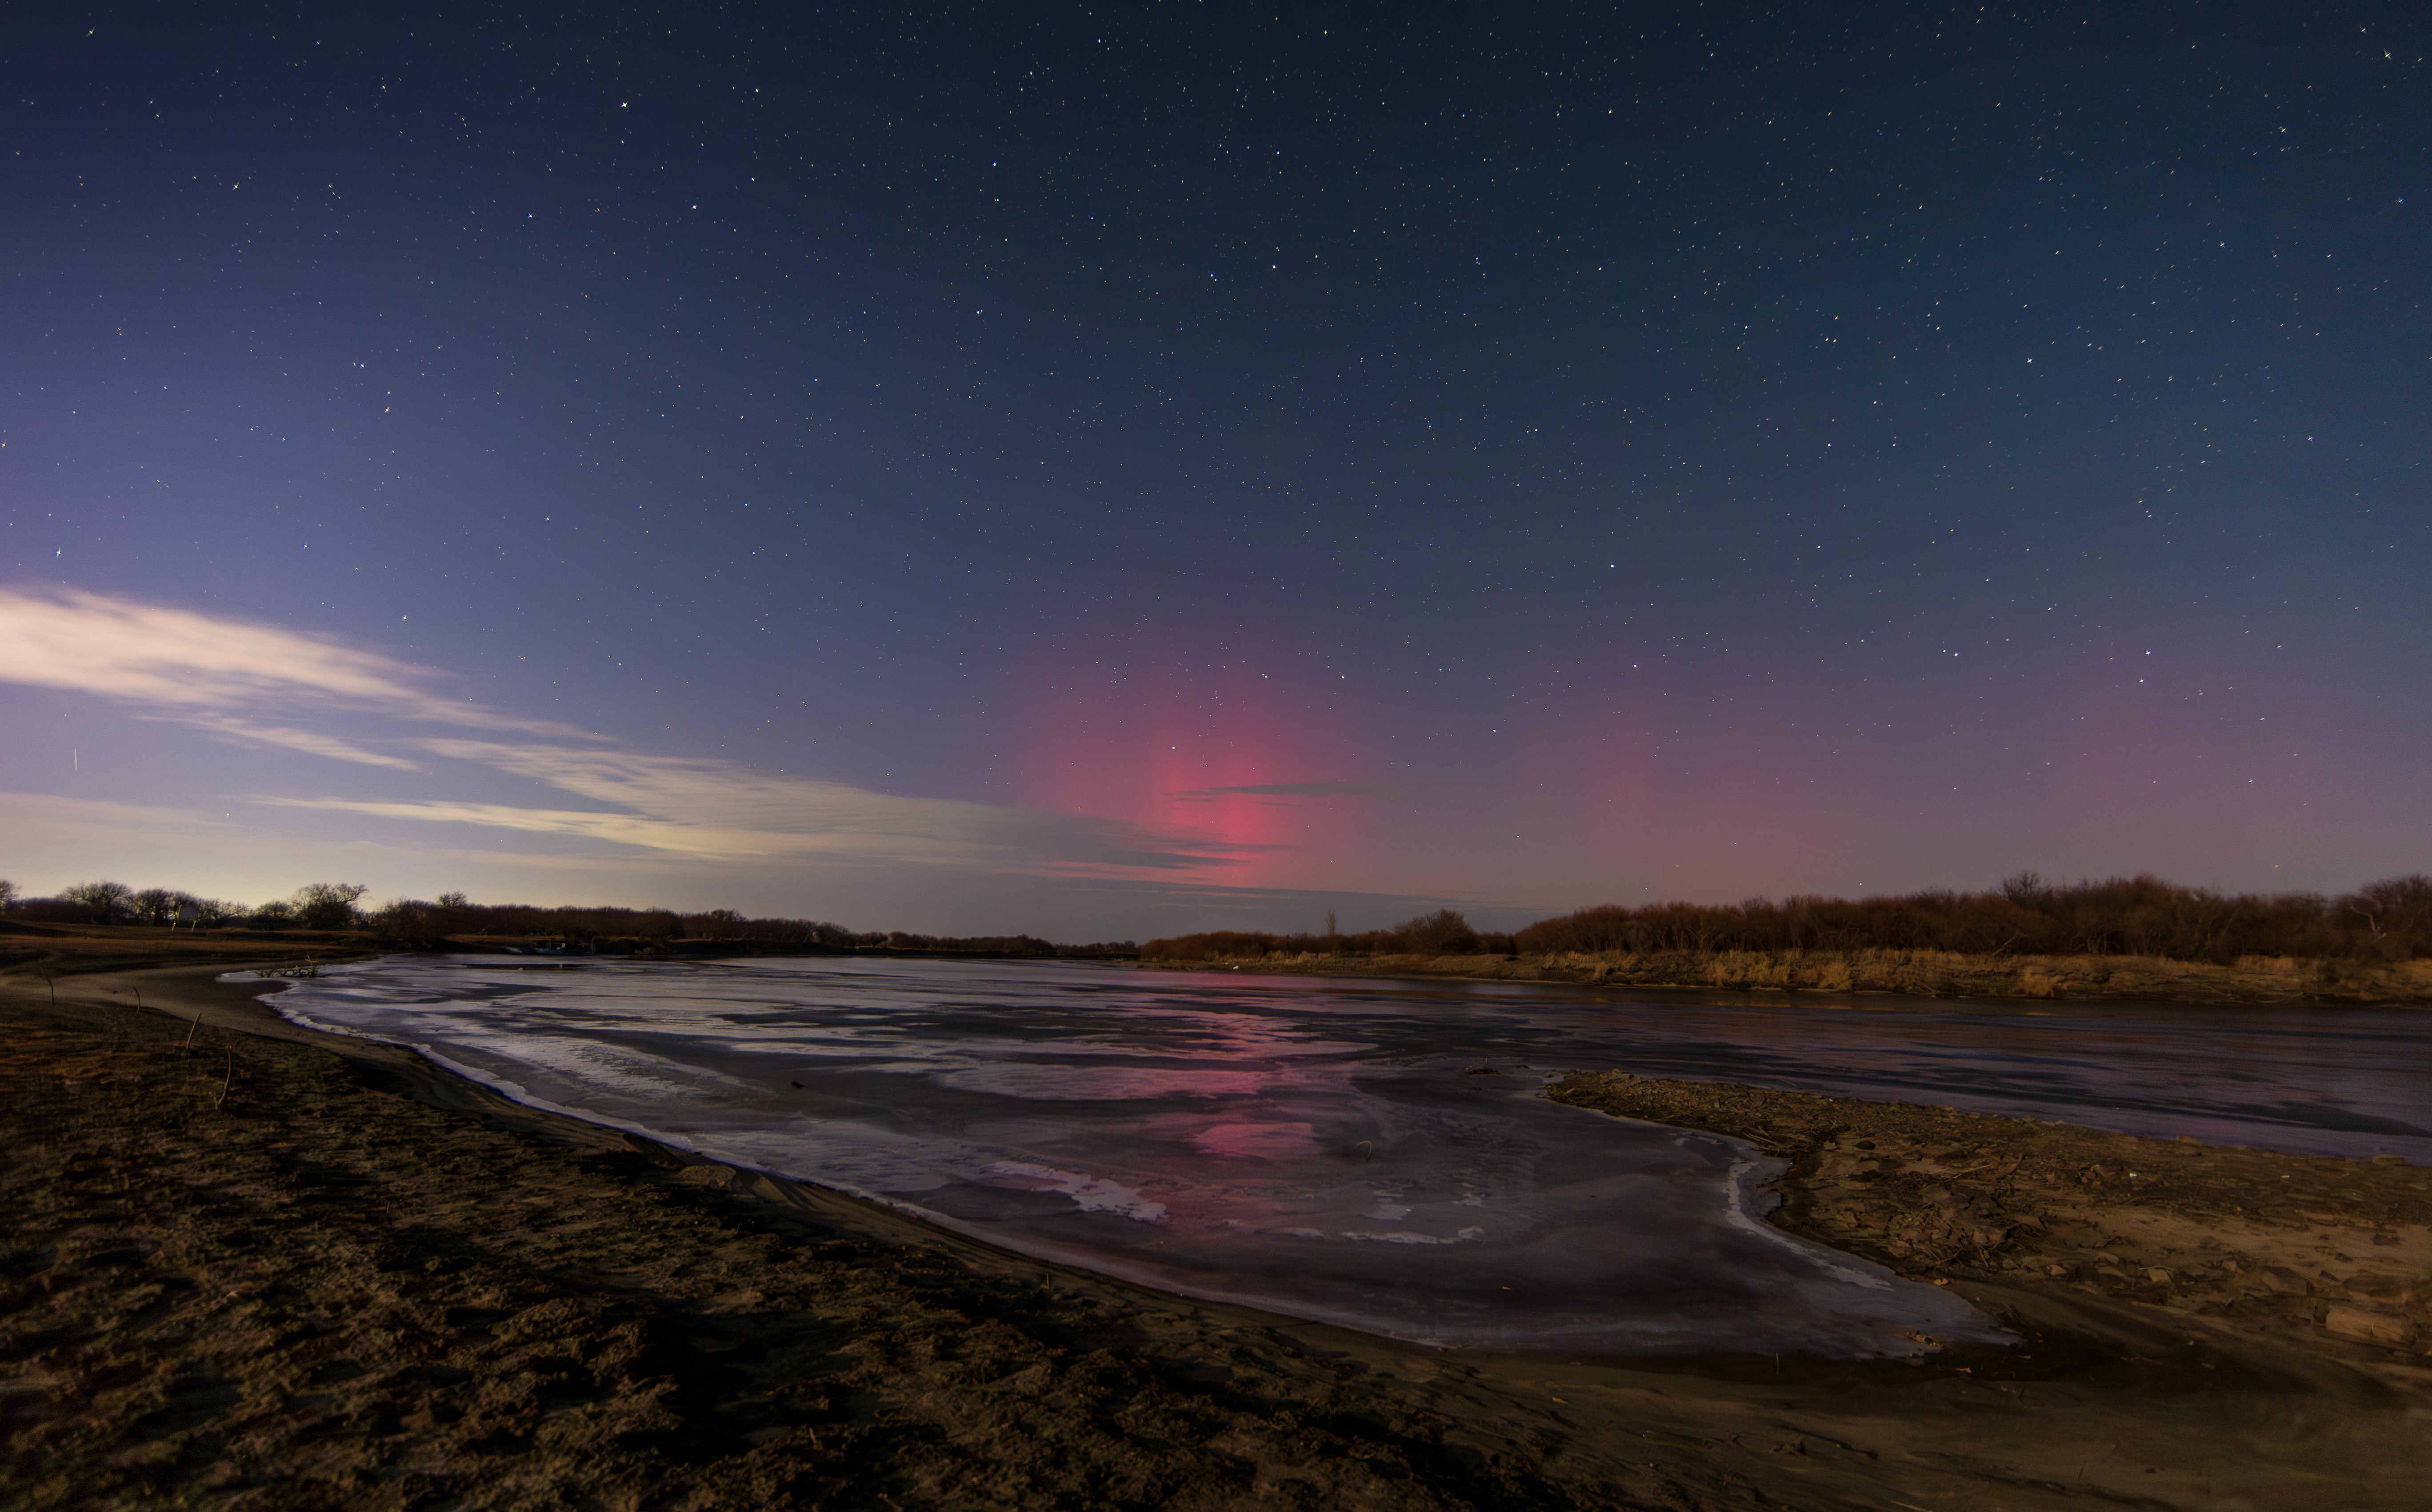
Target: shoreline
(598,1315)
(2260,982)
(1833,974)
(1786,975)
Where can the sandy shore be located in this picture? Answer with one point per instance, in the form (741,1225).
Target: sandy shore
(254,1267)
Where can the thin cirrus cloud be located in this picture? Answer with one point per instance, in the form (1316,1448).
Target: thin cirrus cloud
(716,810)
(282,738)
(222,676)
(178,662)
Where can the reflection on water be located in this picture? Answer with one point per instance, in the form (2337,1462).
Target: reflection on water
(1335,1149)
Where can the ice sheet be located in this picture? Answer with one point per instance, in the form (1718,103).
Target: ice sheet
(1319,1149)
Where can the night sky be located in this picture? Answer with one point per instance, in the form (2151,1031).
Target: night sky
(1104,471)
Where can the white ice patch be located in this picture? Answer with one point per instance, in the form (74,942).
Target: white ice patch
(1088,1193)
(1406,1237)
(1735,1188)
(618,1070)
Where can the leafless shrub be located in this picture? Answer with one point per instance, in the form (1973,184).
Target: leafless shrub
(2026,914)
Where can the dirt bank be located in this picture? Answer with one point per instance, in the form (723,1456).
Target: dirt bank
(33,954)
(252,1266)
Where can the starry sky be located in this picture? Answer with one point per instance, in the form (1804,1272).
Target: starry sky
(1105,470)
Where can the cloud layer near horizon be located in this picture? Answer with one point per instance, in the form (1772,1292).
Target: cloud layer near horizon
(261,686)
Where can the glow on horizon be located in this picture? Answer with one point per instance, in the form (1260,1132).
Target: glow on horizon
(1171,752)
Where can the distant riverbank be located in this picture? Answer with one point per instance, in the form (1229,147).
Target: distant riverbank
(73,950)
(33,952)
(2266,980)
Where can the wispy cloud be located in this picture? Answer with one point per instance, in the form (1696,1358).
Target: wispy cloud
(710,807)
(639,831)
(791,819)
(279,738)
(176,660)
(221,676)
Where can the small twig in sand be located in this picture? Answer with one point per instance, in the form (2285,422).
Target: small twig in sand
(190,1032)
(224,1081)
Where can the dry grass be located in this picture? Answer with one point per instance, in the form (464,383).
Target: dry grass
(2319,1254)
(1915,973)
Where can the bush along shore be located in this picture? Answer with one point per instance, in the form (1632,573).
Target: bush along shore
(1914,973)
(2125,938)
(100,925)
(55,952)
(333,915)
(2135,938)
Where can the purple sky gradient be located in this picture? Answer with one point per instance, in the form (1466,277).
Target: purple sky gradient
(1099,472)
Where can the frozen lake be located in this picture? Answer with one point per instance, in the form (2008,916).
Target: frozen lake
(1323,1148)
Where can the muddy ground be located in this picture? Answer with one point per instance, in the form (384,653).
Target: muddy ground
(248,1267)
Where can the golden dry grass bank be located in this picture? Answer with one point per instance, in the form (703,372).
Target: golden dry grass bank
(2263,979)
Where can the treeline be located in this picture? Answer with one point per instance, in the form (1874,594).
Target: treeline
(2026,914)
(411,923)
(2389,920)
(1441,933)
(313,906)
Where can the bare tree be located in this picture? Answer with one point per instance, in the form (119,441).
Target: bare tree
(328,905)
(2027,889)
(2396,912)
(8,894)
(107,900)
(1441,933)
(154,905)
(207,912)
